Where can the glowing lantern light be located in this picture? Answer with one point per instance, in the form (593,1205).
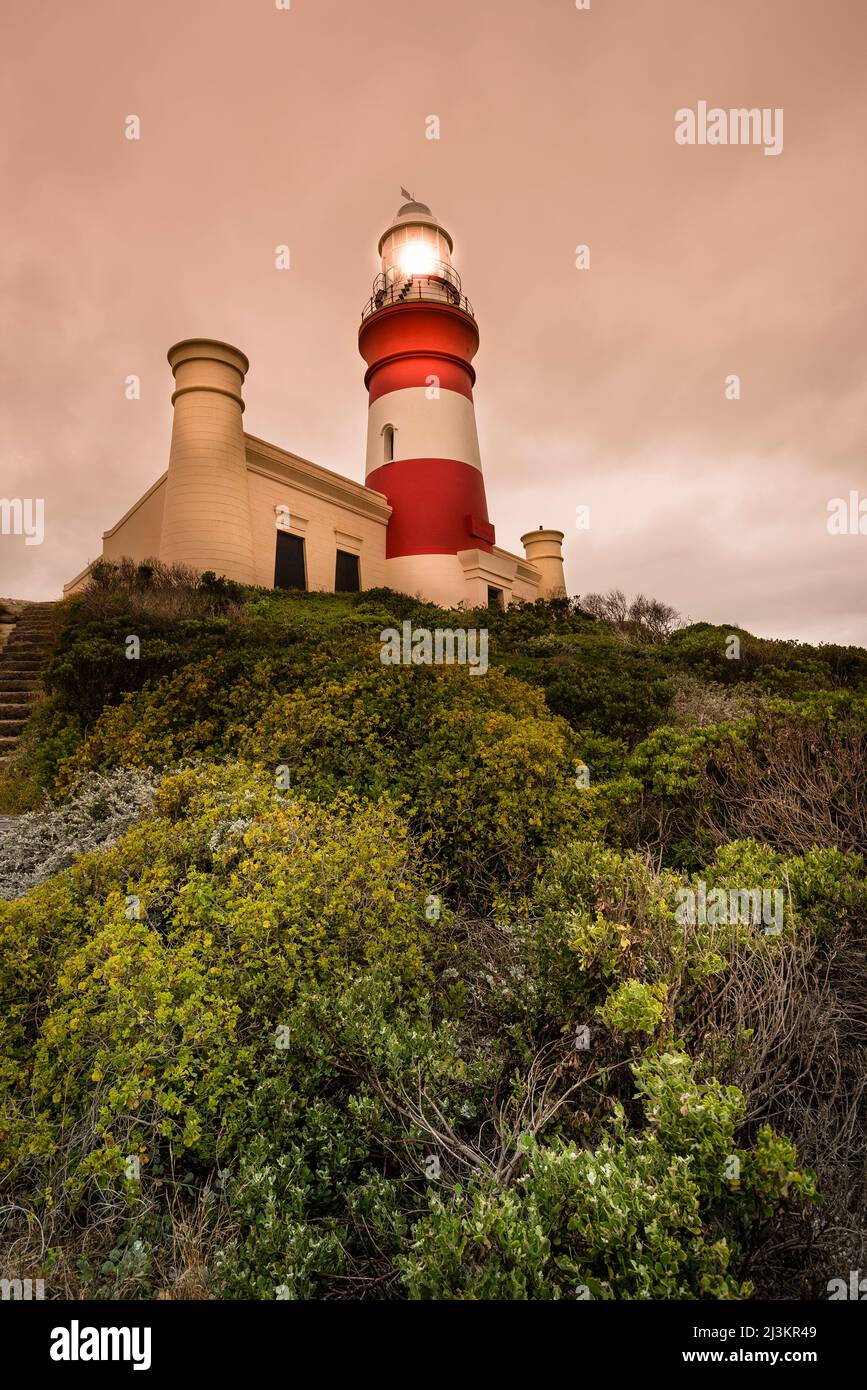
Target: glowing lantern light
(417,258)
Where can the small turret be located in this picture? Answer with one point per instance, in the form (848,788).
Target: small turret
(206,518)
(544,549)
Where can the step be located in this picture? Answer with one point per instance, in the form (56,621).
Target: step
(11,726)
(16,685)
(7,744)
(13,700)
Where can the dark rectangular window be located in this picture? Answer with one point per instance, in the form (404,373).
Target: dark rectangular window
(346,575)
(495,597)
(289,565)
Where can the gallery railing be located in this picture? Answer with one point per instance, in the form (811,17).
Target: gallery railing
(441,284)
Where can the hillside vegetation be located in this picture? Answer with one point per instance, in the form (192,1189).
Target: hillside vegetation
(324,978)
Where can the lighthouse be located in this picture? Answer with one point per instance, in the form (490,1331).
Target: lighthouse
(259,514)
(418,337)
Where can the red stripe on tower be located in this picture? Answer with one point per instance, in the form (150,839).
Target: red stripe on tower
(420,369)
(438,507)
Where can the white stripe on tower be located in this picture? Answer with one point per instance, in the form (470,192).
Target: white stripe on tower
(439,426)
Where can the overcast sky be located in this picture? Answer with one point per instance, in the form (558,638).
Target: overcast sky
(603,388)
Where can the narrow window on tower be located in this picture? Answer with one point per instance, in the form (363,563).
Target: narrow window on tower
(346,575)
(388,444)
(289,567)
(495,597)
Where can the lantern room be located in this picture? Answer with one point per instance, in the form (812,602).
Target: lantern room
(416,253)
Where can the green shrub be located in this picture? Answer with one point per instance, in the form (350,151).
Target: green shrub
(143,988)
(634,1007)
(324,989)
(648,1215)
(487,773)
(599,917)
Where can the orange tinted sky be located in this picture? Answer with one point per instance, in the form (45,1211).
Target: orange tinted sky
(602,388)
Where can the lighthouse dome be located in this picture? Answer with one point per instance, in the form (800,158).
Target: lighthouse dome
(413,209)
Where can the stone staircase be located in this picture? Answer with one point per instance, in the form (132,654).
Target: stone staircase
(21,663)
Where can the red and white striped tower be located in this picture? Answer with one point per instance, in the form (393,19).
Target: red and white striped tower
(418,336)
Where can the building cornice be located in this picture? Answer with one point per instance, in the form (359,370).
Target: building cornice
(525,568)
(270,461)
(497,565)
